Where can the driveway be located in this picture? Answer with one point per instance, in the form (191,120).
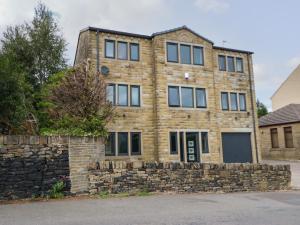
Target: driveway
(295,168)
(272,208)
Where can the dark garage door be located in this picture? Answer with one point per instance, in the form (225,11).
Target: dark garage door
(236,147)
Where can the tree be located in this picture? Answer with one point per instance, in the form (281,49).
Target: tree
(261,109)
(78,104)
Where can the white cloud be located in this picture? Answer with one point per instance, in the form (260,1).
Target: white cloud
(216,6)
(293,62)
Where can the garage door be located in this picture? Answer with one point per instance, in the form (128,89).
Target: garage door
(236,147)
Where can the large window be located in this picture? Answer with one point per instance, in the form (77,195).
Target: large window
(200,98)
(135,95)
(122,143)
(224,101)
(204,142)
(198,55)
(242,101)
(187,97)
(122,50)
(172,52)
(274,138)
(222,63)
(233,102)
(288,137)
(239,65)
(109,49)
(134,52)
(135,143)
(110,146)
(122,95)
(174,100)
(185,54)
(173,143)
(111,93)
(230,64)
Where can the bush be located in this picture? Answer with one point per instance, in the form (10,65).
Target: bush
(57,190)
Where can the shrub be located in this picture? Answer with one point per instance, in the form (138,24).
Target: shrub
(57,190)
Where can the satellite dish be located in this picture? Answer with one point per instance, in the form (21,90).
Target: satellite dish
(104,70)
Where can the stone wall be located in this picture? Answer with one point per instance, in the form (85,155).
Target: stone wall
(29,166)
(118,177)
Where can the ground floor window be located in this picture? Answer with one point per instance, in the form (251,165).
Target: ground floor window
(288,137)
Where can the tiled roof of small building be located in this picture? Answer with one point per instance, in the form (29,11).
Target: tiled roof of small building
(284,115)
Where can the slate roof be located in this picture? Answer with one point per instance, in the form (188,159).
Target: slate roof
(284,115)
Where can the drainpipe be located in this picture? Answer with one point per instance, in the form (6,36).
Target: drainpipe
(97,51)
(252,106)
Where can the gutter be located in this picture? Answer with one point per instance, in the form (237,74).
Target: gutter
(97,51)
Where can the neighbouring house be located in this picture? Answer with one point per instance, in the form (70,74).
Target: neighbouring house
(179,97)
(288,92)
(280,133)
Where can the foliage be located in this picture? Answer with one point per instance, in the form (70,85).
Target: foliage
(261,109)
(57,190)
(104,194)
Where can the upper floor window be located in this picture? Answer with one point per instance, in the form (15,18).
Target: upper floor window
(135,95)
(118,94)
(198,55)
(230,64)
(236,101)
(123,95)
(239,65)
(185,54)
(222,62)
(288,137)
(224,101)
(109,49)
(134,52)
(200,98)
(233,102)
(274,138)
(187,97)
(242,101)
(110,93)
(174,100)
(172,52)
(122,50)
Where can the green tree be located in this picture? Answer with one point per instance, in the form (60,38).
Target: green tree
(261,109)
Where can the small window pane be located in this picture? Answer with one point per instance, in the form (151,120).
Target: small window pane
(123,143)
(134,52)
(288,137)
(230,63)
(122,50)
(274,138)
(173,142)
(135,96)
(109,49)
(110,145)
(172,52)
(201,98)
(135,143)
(123,95)
(187,97)
(233,102)
(204,142)
(242,100)
(222,63)
(174,96)
(224,100)
(198,55)
(185,54)
(239,65)
(110,94)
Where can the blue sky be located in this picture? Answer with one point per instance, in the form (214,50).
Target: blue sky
(269,28)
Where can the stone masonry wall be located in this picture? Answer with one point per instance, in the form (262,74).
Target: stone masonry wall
(118,177)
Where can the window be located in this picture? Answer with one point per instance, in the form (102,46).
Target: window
(173,142)
(198,55)
(187,97)
(200,98)
(135,143)
(204,142)
(111,93)
(110,146)
(122,95)
(239,65)
(242,101)
(185,54)
(123,143)
(174,96)
(135,95)
(274,138)
(230,63)
(122,50)
(134,52)
(172,52)
(222,63)
(288,137)
(109,49)
(224,101)
(181,144)
(233,102)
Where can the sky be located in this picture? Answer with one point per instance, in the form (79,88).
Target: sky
(269,28)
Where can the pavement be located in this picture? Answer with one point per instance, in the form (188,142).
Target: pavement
(269,208)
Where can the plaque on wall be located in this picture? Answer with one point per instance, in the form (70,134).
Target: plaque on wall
(191,158)
(191,150)
(190,143)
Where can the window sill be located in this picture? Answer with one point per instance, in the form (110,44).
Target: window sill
(282,149)
(184,64)
(188,109)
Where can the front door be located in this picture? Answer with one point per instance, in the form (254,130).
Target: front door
(192,147)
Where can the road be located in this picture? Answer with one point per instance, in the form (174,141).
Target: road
(272,208)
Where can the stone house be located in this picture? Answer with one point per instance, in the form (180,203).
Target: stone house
(280,133)
(179,97)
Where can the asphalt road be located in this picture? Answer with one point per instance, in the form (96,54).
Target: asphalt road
(239,208)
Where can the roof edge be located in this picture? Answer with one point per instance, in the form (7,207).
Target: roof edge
(276,124)
(233,50)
